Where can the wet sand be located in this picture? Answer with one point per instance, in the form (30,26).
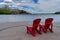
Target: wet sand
(17,31)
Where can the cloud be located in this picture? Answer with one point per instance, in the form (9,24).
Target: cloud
(7,0)
(42,6)
(50,5)
(29,8)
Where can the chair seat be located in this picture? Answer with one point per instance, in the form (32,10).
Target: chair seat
(29,28)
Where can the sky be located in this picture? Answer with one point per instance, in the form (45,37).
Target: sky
(1,0)
(36,6)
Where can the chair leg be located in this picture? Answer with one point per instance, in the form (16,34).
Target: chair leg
(38,31)
(44,29)
(27,30)
(40,28)
(33,34)
(50,30)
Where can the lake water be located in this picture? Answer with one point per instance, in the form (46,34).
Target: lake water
(26,17)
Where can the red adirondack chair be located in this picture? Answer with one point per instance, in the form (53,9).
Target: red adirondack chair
(48,25)
(32,29)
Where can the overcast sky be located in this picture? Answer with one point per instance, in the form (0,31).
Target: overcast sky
(43,6)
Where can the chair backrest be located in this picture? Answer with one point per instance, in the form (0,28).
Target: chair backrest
(36,23)
(48,22)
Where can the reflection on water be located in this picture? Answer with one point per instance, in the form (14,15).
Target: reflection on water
(15,18)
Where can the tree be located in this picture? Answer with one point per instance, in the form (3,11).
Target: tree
(57,12)
(5,10)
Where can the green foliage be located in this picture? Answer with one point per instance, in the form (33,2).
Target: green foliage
(57,12)
(5,10)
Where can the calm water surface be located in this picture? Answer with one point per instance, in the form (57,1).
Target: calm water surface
(18,18)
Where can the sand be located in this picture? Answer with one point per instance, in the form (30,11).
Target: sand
(17,31)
